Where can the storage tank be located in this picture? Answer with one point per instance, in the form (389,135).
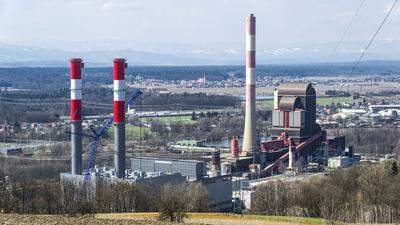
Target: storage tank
(235,147)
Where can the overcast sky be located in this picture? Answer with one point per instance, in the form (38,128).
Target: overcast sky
(67,24)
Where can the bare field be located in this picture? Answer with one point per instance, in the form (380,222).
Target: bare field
(320,88)
(222,91)
(343,83)
(14,219)
(150,219)
(220,219)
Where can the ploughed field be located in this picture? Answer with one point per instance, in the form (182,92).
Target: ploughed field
(150,219)
(14,219)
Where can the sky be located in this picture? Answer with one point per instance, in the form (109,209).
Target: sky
(148,24)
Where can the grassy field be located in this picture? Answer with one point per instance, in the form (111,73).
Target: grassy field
(170,119)
(134,132)
(329,101)
(321,101)
(219,219)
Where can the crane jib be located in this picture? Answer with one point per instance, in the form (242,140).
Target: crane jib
(102,131)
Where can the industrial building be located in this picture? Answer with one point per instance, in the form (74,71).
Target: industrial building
(220,192)
(295,111)
(192,169)
(247,188)
(11,151)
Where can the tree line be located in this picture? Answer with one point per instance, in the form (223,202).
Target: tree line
(35,188)
(363,194)
(57,77)
(373,140)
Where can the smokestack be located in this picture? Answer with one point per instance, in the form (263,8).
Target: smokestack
(76,66)
(119,116)
(249,142)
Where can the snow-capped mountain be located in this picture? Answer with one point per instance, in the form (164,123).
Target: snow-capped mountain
(205,54)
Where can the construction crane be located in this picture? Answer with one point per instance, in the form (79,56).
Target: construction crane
(97,134)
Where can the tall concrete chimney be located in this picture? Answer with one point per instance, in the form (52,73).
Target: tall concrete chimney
(76,115)
(119,116)
(249,142)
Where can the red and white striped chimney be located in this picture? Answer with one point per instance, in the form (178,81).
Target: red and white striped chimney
(119,116)
(249,141)
(76,66)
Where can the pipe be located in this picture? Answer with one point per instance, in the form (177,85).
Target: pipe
(276,103)
(286,119)
(292,149)
(76,66)
(299,148)
(249,142)
(119,116)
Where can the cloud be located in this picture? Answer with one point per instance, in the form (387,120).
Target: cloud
(197,24)
(107,6)
(388,6)
(230,51)
(344,15)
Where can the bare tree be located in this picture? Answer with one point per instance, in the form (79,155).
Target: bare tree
(172,202)
(198,199)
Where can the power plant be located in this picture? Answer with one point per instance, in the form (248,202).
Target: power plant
(296,144)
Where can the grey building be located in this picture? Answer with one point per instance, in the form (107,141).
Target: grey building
(192,169)
(220,193)
(11,151)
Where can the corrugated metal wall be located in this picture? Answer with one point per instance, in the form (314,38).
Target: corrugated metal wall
(277,118)
(193,169)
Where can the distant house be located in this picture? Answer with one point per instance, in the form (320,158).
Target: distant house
(11,151)
(190,143)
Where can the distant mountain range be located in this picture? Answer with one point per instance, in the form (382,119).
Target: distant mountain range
(17,56)
(267,53)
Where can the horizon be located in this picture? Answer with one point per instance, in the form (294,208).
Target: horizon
(288,32)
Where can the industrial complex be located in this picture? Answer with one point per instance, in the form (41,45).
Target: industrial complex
(297,147)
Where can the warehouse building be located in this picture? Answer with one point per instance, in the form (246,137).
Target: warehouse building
(192,169)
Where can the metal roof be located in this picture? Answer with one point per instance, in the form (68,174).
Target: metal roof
(296,89)
(289,103)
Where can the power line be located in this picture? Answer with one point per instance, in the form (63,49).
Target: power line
(373,37)
(346,30)
(370,43)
